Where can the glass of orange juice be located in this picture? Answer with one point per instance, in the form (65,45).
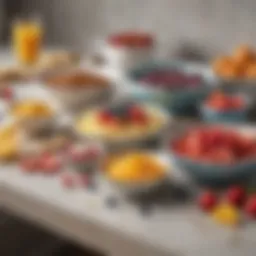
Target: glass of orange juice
(27,35)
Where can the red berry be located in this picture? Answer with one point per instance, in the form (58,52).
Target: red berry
(236,195)
(207,201)
(105,117)
(92,152)
(250,207)
(84,180)
(137,115)
(51,164)
(7,93)
(78,155)
(29,165)
(67,181)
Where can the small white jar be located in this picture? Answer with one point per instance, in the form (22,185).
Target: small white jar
(125,51)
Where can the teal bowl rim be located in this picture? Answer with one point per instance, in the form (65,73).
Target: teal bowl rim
(220,168)
(208,113)
(208,80)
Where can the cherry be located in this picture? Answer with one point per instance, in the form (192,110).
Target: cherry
(207,200)
(92,152)
(51,164)
(67,181)
(7,93)
(105,117)
(137,115)
(250,207)
(236,195)
(84,180)
(29,165)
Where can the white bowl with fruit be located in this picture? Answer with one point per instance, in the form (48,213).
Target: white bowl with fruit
(123,125)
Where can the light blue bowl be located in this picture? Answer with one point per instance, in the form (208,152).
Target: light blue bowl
(214,174)
(214,116)
(211,115)
(180,102)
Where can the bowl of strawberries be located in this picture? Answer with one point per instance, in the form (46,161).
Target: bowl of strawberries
(222,107)
(216,154)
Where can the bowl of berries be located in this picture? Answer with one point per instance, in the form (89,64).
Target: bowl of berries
(216,154)
(123,125)
(178,86)
(221,107)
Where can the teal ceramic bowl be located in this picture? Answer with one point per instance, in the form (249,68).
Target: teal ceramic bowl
(211,115)
(214,174)
(214,116)
(179,102)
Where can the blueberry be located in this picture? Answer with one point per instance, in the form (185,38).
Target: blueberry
(120,110)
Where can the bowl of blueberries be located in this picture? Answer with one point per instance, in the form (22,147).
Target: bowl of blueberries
(178,86)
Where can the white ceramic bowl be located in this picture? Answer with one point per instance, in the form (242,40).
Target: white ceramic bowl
(75,99)
(123,58)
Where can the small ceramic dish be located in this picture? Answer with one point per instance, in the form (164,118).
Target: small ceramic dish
(125,50)
(114,142)
(130,188)
(35,123)
(212,115)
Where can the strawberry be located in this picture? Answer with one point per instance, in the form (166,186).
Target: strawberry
(207,201)
(106,117)
(7,93)
(137,115)
(236,195)
(67,181)
(250,206)
(51,164)
(84,180)
(29,165)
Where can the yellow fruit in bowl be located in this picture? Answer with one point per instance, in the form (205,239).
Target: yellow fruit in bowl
(135,168)
(32,109)
(8,143)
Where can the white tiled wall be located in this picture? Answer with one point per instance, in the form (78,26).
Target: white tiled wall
(206,25)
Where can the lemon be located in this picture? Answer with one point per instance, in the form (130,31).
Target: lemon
(226,214)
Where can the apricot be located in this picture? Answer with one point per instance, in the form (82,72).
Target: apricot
(231,71)
(243,54)
(251,71)
(220,64)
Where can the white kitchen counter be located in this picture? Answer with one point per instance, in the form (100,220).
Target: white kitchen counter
(82,216)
